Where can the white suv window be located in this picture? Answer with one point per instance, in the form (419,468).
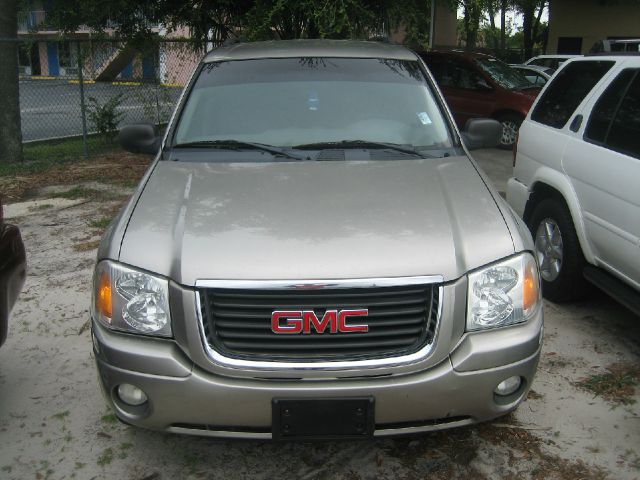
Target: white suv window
(624,134)
(605,108)
(568,89)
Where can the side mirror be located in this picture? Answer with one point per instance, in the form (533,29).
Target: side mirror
(139,138)
(482,133)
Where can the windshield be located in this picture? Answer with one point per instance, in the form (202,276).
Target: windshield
(304,101)
(503,74)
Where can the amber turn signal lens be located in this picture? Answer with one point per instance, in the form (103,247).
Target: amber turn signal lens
(530,286)
(104,295)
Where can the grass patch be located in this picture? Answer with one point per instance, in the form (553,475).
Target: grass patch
(617,385)
(77,192)
(105,457)
(43,155)
(109,418)
(100,223)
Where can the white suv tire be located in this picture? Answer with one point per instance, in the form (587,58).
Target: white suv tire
(558,251)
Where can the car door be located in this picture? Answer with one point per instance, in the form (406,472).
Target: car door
(466,90)
(603,164)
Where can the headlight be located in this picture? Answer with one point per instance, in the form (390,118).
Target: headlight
(130,300)
(504,293)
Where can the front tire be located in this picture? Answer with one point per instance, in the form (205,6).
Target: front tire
(510,125)
(558,251)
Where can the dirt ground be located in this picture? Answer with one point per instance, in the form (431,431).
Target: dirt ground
(580,421)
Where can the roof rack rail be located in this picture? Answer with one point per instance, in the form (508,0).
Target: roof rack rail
(612,54)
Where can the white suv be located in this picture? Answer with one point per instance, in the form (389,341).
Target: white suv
(576,178)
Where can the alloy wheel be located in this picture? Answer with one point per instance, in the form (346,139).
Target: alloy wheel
(549,249)
(509,132)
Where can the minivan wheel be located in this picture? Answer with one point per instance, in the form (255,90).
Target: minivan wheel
(558,251)
(510,126)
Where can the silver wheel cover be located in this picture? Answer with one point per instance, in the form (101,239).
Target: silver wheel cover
(549,249)
(509,132)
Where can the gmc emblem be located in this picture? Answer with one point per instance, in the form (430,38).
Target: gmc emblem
(306,321)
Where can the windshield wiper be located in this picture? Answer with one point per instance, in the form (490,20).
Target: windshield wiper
(238,144)
(361,144)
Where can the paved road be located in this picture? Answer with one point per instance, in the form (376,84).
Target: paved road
(51,108)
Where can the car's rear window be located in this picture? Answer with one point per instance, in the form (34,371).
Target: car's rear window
(567,90)
(615,119)
(292,101)
(606,107)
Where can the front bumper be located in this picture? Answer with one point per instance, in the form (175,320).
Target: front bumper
(517,195)
(183,398)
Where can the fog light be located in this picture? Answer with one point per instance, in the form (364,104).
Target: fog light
(508,386)
(131,395)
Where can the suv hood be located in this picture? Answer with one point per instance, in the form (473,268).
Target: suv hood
(314,220)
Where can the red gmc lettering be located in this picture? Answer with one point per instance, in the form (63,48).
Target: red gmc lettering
(309,318)
(306,321)
(293,321)
(342,320)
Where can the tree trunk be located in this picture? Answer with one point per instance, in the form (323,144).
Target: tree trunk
(10,130)
(503,24)
(492,21)
(472,13)
(527,30)
(536,24)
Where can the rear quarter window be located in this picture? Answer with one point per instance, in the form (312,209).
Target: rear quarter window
(624,134)
(567,90)
(606,107)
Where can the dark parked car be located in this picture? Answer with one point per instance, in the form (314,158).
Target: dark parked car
(479,85)
(12,271)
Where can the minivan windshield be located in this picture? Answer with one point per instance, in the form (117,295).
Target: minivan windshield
(313,102)
(503,74)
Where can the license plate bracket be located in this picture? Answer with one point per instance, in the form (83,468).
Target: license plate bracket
(322,418)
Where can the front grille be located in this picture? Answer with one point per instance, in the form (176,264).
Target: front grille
(401,320)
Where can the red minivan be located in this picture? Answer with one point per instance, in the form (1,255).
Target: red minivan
(479,85)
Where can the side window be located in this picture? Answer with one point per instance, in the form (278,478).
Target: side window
(624,135)
(606,107)
(463,76)
(436,67)
(567,90)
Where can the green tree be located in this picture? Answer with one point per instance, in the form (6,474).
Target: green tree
(217,20)
(531,11)
(473,10)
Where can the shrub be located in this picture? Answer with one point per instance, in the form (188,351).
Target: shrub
(106,117)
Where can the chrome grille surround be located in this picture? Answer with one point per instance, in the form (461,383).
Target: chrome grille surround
(218,358)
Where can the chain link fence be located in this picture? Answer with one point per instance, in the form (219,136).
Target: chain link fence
(76,93)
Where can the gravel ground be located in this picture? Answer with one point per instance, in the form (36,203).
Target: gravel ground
(54,423)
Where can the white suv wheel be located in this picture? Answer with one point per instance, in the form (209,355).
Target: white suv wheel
(549,249)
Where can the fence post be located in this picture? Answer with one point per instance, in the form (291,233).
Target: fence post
(83,115)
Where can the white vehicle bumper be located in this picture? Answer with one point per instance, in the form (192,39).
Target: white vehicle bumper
(517,195)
